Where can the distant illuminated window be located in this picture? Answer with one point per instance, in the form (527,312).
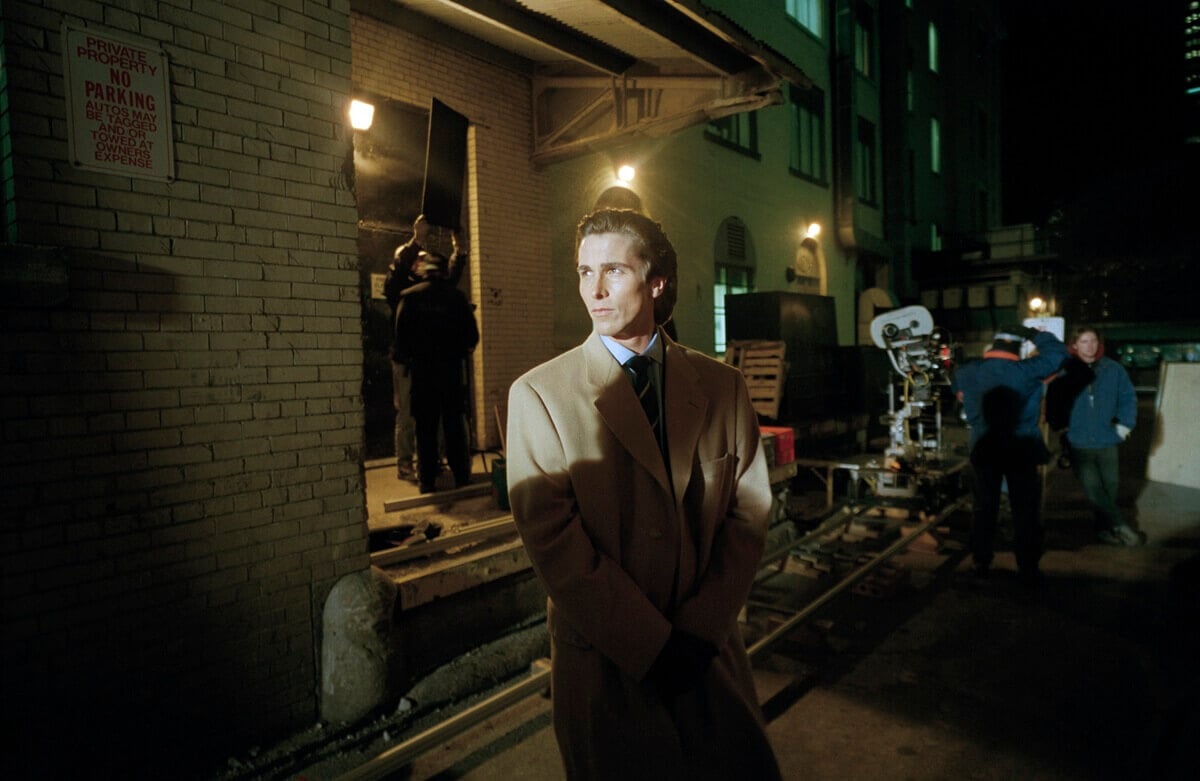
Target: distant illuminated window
(807,13)
(733,273)
(933,47)
(935,145)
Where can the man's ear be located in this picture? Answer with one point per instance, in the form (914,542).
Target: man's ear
(657,286)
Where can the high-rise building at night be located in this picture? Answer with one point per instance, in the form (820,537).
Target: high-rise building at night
(1191,69)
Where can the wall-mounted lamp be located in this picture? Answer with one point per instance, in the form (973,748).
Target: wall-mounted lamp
(807,264)
(626,173)
(1037,304)
(361,115)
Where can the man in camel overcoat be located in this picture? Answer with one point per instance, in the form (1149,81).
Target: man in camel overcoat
(641,495)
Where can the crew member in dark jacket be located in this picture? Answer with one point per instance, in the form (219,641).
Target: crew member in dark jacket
(1002,396)
(401,275)
(435,332)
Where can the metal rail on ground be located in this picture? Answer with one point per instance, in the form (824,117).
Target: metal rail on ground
(403,754)
(851,578)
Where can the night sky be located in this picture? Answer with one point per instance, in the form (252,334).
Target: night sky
(1093,97)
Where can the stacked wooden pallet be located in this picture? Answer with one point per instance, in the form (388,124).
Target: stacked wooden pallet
(762,364)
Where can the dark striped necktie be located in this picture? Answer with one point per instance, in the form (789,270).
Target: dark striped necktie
(638,369)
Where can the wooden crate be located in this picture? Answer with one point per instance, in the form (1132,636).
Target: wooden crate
(762,364)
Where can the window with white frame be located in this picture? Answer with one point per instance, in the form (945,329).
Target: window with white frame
(807,156)
(739,131)
(733,272)
(807,13)
(730,280)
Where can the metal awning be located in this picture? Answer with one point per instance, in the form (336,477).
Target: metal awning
(607,70)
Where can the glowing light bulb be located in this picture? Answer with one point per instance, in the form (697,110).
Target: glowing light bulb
(361,115)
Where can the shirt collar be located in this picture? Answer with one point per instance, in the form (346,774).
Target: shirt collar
(622,353)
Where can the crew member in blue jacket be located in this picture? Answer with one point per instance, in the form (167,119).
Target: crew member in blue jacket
(1002,396)
(1102,407)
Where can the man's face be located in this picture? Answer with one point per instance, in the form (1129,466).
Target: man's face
(1087,345)
(611,284)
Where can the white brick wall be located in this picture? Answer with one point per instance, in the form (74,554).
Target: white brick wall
(181,437)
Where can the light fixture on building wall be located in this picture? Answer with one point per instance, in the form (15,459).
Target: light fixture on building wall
(626,173)
(1037,305)
(806,268)
(361,114)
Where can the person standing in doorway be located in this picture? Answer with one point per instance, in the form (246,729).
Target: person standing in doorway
(435,333)
(1103,411)
(400,276)
(638,484)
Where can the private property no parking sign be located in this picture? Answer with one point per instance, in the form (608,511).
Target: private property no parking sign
(118,104)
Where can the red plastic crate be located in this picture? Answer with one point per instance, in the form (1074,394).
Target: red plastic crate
(785,443)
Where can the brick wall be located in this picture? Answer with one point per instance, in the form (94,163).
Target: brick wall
(182,426)
(508,224)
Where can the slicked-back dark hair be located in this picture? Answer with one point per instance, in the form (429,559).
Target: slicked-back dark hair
(651,245)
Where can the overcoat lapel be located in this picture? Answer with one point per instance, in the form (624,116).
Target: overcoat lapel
(687,408)
(620,410)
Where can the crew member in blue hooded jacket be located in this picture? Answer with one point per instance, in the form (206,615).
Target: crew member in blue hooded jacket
(1002,397)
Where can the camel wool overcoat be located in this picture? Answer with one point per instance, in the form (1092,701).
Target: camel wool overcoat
(627,549)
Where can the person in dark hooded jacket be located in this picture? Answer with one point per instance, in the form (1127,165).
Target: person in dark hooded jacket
(435,332)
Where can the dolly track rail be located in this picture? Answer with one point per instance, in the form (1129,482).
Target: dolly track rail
(851,578)
(405,753)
